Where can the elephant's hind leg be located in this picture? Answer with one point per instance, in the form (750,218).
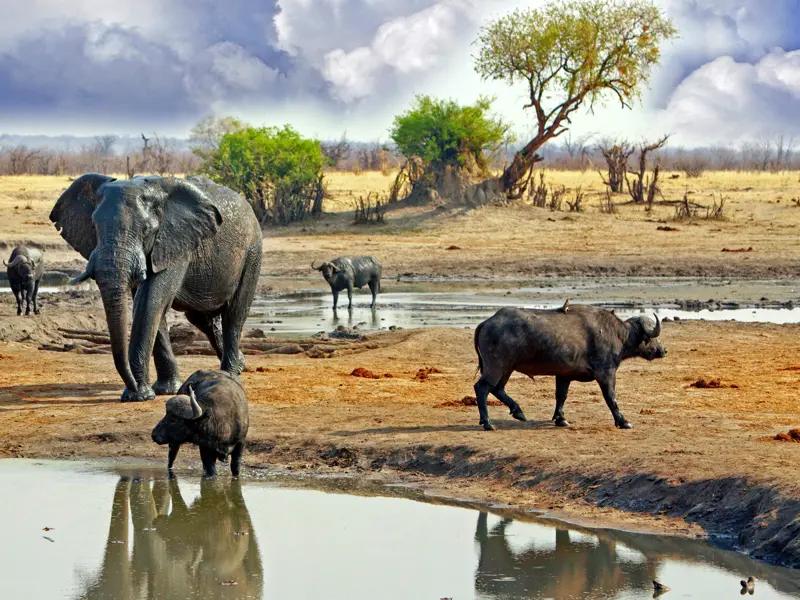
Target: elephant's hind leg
(235,315)
(211,328)
(169,379)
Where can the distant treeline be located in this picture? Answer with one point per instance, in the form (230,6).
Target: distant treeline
(24,155)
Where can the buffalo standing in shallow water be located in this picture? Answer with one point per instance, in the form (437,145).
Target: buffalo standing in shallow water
(346,273)
(211,411)
(573,343)
(25,269)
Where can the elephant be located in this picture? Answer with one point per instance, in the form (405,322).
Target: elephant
(187,243)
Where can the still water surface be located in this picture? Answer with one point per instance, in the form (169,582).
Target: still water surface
(121,531)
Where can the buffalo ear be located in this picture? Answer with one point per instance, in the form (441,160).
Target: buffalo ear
(188,218)
(72,214)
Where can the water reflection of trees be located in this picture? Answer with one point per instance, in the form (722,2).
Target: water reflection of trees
(185,552)
(573,569)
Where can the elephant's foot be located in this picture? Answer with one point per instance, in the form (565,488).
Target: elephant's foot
(145,392)
(167,387)
(234,367)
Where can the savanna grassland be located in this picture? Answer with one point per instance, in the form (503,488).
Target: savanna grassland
(760,216)
(698,459)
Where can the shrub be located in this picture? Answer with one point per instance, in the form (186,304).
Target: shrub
(444,133)
(277,170)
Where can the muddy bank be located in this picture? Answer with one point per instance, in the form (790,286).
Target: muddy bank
(699,459)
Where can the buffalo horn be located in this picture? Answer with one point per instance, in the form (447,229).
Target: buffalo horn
(197,412)
(656,331)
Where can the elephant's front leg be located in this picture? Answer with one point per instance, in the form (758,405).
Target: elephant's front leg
(168,380)
(153,298)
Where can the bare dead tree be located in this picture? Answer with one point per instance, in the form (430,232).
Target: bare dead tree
(616,154)
(162,155)
(104,144)
(578,149)
(640,190)
(338,151)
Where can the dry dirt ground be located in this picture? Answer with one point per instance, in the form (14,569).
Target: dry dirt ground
(698,460)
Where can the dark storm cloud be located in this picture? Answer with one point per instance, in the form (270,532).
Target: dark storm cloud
(194,58)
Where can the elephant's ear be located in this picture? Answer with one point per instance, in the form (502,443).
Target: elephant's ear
(72,214)
(189,217)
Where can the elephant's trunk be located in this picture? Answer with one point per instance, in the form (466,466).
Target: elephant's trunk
(115,289)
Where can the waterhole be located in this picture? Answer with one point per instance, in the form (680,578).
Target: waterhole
(112,530)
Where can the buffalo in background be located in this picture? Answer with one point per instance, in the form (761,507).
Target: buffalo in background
(345,273)
(25,269)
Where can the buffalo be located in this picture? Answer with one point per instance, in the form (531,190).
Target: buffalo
(572,343)
(25,269)
(345,273)
(210,411)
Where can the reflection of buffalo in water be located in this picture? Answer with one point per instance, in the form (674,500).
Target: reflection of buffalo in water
(188,552)
(571,570)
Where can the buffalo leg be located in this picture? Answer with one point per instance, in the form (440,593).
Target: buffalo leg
(608,385)
(18,296)
(335,293)
(562,389)
(349,296)
(35,298)
(236,458)
(209,458)
(482,388)
(27,301)
(173,452)
(499,392)
(373,287)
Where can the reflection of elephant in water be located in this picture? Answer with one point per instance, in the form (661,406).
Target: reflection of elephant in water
(186,243)
(186,553)
(571,570)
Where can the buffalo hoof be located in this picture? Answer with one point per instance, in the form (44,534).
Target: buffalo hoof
(624,425)
(487,426)
(167,387)
(144,393)
(561,422)
(37,312)
(519,415)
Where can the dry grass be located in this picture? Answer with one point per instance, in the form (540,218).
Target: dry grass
(759,212)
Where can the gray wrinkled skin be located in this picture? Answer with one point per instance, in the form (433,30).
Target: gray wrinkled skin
(219,430)
(186,243)
(25,268)
(581,343)
(346,273)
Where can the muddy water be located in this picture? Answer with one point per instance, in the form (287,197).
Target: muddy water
(464,304)
(121,531)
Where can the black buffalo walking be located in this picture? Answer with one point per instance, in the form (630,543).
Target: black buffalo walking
(582,343)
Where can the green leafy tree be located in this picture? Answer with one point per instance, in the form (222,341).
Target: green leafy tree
(568,54)
(443,133)
(278,171)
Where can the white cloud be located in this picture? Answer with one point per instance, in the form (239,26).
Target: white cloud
(414,43)
(730,101)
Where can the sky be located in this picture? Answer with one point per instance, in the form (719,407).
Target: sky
(88,67)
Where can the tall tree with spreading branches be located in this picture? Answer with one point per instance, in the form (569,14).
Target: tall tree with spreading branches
(571,54)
